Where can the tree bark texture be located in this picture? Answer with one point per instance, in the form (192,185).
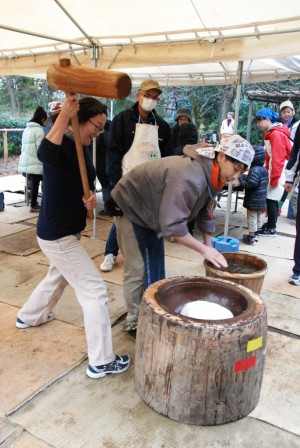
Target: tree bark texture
(195,371)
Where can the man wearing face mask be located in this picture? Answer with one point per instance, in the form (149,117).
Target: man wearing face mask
(136,135)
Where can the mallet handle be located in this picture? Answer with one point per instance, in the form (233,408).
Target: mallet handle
(81,159)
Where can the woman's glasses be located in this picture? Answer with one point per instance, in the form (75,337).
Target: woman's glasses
(99,129)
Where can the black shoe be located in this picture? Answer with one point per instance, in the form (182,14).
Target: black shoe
(104,212)
(267,232)
(132,333)
(35,209)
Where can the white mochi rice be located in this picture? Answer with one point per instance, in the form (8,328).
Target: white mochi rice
(202,309)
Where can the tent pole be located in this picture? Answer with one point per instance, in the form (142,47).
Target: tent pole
(236,121)
(95,57)
(249,125)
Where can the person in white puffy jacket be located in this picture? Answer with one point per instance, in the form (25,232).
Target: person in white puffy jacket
(29,163)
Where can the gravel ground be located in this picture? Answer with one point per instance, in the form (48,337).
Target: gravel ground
(11,167)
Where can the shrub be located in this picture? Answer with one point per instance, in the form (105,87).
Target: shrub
(14,139)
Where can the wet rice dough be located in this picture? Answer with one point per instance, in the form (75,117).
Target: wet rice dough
(202,309)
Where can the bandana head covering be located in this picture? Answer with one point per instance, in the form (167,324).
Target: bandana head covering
(265,112)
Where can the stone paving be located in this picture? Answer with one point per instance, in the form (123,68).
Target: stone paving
(46,398)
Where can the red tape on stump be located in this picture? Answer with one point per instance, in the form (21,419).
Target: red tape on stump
(245,364)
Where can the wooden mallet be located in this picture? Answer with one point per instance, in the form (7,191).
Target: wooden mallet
(91,82)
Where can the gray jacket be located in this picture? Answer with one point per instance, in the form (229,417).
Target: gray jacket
(165,194)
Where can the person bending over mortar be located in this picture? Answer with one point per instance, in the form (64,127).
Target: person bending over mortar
(159,198)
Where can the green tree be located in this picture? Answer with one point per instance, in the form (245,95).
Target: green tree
(19,97)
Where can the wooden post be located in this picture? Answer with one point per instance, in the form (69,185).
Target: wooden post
(5,146)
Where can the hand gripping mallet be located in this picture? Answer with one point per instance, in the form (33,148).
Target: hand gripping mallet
(92,82)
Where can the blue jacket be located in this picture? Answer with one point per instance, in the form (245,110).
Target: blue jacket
(255,182)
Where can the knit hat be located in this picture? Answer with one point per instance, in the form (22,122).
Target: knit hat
(287,103)
(150,84)
(183,113)
(188,134)
(238,148)
(265,112)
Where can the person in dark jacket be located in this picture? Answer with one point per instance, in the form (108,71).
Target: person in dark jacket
(111,247)
(187,135)
(287,117)
(101,149)
(61,220)
(182,116)
(136,135)
(124,126)
(291,171)
(255,184)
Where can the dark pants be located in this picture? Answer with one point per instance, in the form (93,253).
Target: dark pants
(35,180)
(296,268)
(112,246)
(152,249)
(191,226)
(272,212)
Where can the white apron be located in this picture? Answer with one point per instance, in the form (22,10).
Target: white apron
(275,193)
(144,147)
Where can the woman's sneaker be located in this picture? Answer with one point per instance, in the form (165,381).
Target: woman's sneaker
(249,239)
(108,263)
(267,232)
(119,365)
(295,280)
(22,325)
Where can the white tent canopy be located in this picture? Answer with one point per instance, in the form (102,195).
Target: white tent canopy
(178,42)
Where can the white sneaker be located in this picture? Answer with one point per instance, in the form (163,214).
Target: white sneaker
(108,263)
(22,325)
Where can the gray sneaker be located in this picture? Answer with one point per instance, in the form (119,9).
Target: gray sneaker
(130,326)
(130,329)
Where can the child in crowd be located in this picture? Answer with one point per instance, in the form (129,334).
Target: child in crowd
(255,184)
